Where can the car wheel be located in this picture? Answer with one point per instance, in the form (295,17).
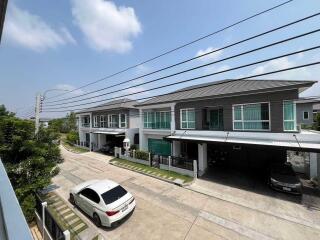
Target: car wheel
(96,220)
(71,199)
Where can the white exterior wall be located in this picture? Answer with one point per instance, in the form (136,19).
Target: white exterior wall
(202,158)
(314,165)
(145,134)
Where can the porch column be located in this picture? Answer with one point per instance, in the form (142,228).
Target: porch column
(176,148)
(142,138)
(314,164)
(90,147)
(202,158)
(173,121)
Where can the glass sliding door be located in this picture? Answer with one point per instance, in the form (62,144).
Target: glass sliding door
(289,116)
(216,119)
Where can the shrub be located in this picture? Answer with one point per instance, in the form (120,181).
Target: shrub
(143,155)
(55,171)
(72,137)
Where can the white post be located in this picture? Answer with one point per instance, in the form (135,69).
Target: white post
(313,165)
(115,151)
(66,234)
(37,113)
(169,163)
(195,169)
(134,153)
(149,159)
(44,205)
(120,152)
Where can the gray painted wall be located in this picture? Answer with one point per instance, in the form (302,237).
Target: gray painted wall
(304,107)
(276,107)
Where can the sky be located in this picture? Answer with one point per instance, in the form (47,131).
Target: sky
(65,44)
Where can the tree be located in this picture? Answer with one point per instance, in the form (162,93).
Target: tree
(317,122)
(29,159)
(64,125)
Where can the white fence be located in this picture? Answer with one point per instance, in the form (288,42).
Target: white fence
(130,156)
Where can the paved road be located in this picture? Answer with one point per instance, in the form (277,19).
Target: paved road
(166,211)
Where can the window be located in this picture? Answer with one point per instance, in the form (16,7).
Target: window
(85,121)
(187,118)
(305,115)
(90,194)
(157,120)
(148,119)
(251,117)
(103,121)
(113,195)
(289,116)
(95,121)
(123,120)
(114,121)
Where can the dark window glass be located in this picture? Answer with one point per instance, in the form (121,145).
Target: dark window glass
(305,115)
(90,194)
(114,194)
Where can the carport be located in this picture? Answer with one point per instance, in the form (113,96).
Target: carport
(249,151)
(101,138)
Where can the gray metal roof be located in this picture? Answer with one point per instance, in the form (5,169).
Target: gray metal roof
(116,104)
(308,100)
(227,87)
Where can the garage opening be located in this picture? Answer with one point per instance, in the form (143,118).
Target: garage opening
(242,166)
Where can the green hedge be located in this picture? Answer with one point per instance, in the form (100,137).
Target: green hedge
(143,155)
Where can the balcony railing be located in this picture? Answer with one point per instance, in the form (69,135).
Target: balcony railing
(85,125)
(13,225)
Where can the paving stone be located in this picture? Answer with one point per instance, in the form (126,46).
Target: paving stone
(76,228)
(61,207)
(77,219)
(69,215)
(65,211)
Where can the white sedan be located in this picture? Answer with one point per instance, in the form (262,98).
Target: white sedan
(103,200)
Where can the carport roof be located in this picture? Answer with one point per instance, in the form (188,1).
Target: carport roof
(304,141)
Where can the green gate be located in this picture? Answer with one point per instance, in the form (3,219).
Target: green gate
(159,147)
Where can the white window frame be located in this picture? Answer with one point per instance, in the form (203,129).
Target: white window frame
(110,122)
(187,109)
(149,123)
(242,118)
(294,116)
(125,120)
(95,121)
(304,117)
(103,121)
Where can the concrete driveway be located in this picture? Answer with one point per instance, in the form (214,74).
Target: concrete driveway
(166,211)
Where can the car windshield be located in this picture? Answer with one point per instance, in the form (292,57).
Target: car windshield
(114,194)
(284,170)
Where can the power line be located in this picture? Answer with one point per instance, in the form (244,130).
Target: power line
(199,87)
(177,48)
(194,68)
(199,77)
(194,58)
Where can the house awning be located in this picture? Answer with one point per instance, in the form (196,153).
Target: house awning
(109,132)
(304,141)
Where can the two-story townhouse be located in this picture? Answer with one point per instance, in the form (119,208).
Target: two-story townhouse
(305,111)
(235,122)
(109,124)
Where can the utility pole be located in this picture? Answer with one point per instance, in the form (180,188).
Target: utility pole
(37,113)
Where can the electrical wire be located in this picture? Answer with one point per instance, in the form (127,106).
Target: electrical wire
(199,87)
(177,48)
(191,69)
(195,78)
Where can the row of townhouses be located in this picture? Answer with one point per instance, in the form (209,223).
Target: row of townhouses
(240,122)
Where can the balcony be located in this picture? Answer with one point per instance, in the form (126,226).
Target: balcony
(13,225)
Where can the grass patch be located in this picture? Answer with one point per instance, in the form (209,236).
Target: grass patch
(152,171)
(73,148)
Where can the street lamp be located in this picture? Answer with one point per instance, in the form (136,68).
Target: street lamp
(39,100)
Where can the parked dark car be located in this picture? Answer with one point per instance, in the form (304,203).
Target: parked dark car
(283,178)
(107,149)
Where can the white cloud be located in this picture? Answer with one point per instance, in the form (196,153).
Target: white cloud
(106,26)
(31,31)
(209,57)
(308,73)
